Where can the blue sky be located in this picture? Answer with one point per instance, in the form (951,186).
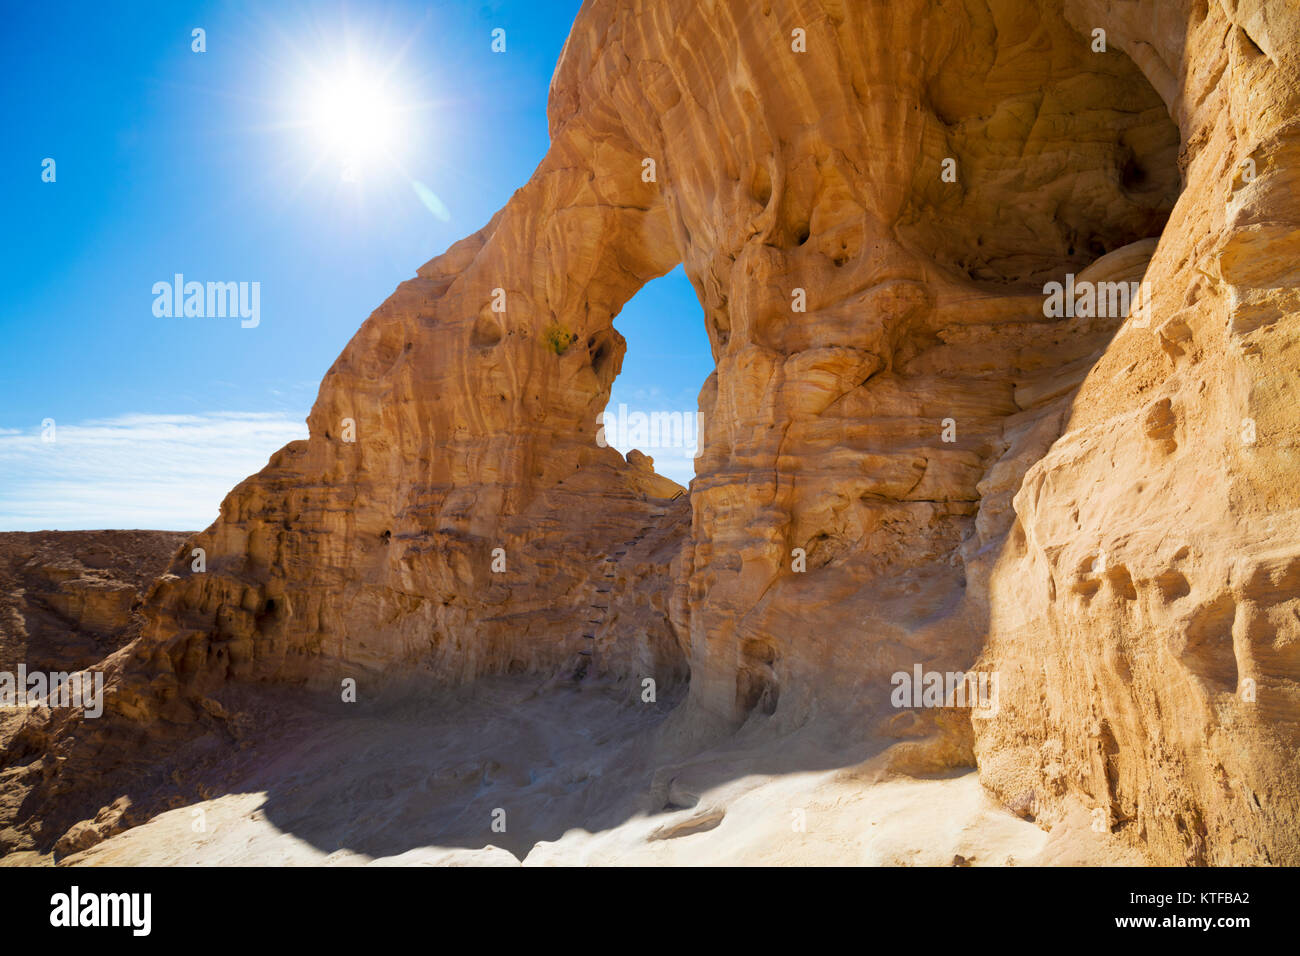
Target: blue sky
(218,165)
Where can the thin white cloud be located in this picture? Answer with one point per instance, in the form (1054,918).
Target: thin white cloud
(167,472)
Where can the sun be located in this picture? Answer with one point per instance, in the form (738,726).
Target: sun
(355,116)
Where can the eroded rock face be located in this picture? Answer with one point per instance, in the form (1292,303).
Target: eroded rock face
(906,461)
(924,305)
(1144,609)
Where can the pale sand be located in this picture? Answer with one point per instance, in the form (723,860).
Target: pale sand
(583,779)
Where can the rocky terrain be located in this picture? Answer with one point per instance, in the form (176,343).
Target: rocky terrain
(66,597)
(910,461)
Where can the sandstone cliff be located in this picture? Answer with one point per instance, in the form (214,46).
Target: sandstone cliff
(1144,607)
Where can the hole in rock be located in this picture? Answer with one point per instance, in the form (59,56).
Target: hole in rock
(654,403)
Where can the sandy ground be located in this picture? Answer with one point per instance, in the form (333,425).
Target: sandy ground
(577,775)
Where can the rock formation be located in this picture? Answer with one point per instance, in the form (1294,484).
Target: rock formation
(908,459)
(1144,608)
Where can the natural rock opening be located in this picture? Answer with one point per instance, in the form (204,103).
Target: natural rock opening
(654,405)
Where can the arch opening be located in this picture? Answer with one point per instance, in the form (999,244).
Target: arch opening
(653,406)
